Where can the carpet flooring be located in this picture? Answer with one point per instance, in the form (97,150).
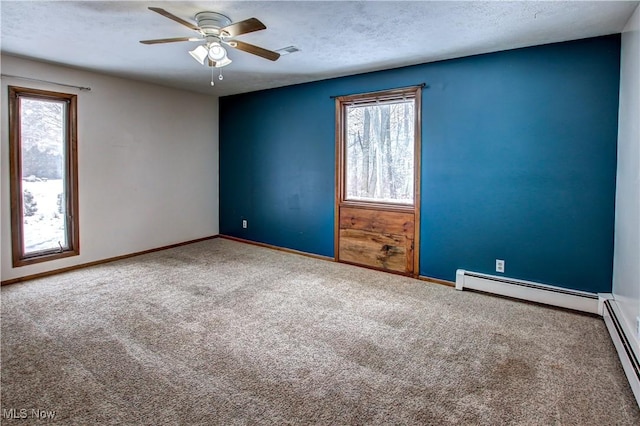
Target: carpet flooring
(220,332)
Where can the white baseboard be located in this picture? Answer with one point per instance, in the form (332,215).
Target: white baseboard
(527,290)
(626,352)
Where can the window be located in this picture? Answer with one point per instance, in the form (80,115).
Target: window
(44,182)
(379,140)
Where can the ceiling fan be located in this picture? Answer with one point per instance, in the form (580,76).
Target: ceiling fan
(216,30)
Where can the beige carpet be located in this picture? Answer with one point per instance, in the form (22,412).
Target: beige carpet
(221,332)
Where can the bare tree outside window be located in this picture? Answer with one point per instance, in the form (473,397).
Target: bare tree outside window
(380,152)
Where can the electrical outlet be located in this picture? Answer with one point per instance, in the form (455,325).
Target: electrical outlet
(499,265)
(244,223)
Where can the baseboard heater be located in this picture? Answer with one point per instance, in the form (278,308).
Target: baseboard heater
(526,290)
(628,357)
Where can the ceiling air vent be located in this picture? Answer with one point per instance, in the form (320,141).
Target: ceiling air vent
(287,50)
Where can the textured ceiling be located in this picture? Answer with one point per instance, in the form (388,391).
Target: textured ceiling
(335,38)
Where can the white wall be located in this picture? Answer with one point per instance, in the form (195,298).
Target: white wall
(626,263)
(148,164)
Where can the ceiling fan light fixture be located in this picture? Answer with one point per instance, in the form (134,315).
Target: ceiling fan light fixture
(223,63)
(199,54)
(217,52)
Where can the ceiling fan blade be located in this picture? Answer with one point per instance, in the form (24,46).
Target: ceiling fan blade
(211,63)
(174,18)
(169,40)
(250,48)
(243,27)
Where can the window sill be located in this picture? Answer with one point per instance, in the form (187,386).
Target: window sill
(18,262)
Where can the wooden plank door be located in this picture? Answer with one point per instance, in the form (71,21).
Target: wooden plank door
(378,180)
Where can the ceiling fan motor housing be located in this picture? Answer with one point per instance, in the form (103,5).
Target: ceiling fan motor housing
(211,22)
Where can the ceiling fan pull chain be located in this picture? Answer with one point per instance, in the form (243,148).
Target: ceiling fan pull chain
(212,83)
(220,76)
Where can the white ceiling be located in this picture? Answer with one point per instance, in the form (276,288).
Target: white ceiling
(335,38)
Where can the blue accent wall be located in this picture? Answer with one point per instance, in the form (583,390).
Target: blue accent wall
(518,162)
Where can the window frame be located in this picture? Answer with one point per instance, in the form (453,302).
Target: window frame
(342,102)
(20,258)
